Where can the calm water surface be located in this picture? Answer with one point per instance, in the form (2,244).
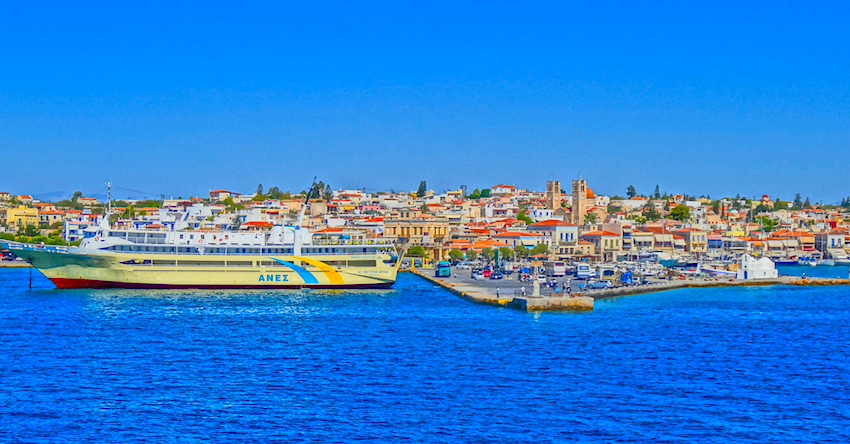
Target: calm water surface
(416,364)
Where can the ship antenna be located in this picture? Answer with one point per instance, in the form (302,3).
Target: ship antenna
(306,202)
(108,198)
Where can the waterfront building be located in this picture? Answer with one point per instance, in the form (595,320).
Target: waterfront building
(524,238)
(46,218)
(695,241)
(608,245)
(562,236)
(20,216)
(830,243)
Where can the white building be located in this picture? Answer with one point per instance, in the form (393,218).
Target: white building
(752,268)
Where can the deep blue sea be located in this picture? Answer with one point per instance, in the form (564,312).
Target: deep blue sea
(417,364)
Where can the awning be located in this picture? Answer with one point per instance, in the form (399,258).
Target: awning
(808,248)
(775,243)
(837,253)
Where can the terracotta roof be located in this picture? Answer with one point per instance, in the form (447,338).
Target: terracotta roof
(552,223)
(600,233)
(329,230)
(517,234)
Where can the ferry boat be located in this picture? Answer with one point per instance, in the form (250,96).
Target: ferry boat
(285,256)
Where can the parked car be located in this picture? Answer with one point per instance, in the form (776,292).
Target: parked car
(462,266)
(601,284)
(496,275)
(478,276)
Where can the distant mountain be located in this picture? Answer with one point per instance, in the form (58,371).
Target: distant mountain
(52,196)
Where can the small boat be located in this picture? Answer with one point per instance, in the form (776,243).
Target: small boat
(718,272)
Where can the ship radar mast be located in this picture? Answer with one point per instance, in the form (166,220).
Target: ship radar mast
(298,224)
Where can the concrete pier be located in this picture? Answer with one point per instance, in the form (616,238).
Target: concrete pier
(488,295)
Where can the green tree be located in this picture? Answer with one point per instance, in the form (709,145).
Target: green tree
(649,212)
(328,193)
(28,230)
(416,251)
(631,191)
(275,193)
(475,194)
(807,204)
(471,254)
(681,213)
(612,209)
(506,254)
(259,189)
(455,254)
(798,202)
(657,193)
(423,188)
(521,251)
(76,196)
(590,218)
(485,192)
(129,212)
(524,217)
(150,203)
(715,206)
(539,249)
(779,205)
(424,208)
(487,255)
(767,224)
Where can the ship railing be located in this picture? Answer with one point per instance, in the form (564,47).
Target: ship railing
(350,242)
(36,247)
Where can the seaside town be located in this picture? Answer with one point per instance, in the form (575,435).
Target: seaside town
(556,224)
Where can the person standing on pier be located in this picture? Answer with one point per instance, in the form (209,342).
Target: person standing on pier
(497,292)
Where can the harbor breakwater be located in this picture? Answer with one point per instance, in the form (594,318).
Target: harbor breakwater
(483,292)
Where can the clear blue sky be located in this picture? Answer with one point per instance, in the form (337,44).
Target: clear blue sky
(733,97)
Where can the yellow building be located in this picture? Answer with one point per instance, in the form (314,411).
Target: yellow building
(20,216)
(696,241)
(430,232)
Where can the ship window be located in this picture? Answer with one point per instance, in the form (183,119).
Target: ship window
(361,263)
(240,263)
(270,264)
(181,236)
(190,263)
